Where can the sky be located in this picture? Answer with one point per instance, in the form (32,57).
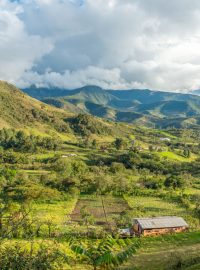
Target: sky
(115,44)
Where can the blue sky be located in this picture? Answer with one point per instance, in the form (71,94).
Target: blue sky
(115,44)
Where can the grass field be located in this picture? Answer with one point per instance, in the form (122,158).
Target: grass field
(146,206)
(57,212)
(165,259)
(162,253)
(174,156)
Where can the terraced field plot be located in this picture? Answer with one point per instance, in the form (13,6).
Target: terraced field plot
(102,208)
(56,212)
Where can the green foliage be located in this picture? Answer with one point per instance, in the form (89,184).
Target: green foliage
(119,143)
(117,167)
(175,182)
(18,257)
(85,125)
(105,254)
(186,152)
(17,140)
(197,211)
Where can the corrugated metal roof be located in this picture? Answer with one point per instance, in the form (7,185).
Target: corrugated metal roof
(161,222)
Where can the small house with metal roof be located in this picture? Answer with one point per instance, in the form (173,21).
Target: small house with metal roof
(159,225)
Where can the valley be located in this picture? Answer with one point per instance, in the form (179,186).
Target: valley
(69,182)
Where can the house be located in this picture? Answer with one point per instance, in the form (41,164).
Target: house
(165,139)
(159,225)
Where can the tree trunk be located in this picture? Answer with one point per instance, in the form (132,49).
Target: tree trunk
(104,210)
(49,231)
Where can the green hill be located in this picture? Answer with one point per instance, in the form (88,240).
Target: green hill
(20,111)
(171,108)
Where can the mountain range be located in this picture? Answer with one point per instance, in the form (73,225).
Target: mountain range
(146,107)
(47,110)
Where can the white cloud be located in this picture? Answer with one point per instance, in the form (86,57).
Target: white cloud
(18,50)
(112,43)
(106,78)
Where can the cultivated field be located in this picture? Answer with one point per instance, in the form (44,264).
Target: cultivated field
(104,209)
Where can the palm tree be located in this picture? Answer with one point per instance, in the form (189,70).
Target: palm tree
(107,253)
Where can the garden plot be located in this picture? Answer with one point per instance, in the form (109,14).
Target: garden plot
(103,209)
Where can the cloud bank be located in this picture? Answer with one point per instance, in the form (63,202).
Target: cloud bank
(116,44)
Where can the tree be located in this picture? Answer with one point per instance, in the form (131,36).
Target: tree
(63,167)
(175,182)
(197,211)
(151,148)
(20,257)
(117,167)
(94,144)
(119,143)
(186,153)
(79,168)
(107,253)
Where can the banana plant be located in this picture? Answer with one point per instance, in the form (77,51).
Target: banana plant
(106,253)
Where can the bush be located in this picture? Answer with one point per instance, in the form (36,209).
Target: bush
(21,258)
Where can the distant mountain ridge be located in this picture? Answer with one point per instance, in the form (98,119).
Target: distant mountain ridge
(195,92)
(148,106)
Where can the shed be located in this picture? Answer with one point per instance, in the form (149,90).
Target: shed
(159,225)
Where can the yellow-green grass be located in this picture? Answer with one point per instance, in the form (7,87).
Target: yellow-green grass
(43,156)
(104,139)
(160,253)
(192,191)
(166,134)
(36,172)
(80,155)
(4,124)
(146,206)
(46,131)
(174,156)
(57,212)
